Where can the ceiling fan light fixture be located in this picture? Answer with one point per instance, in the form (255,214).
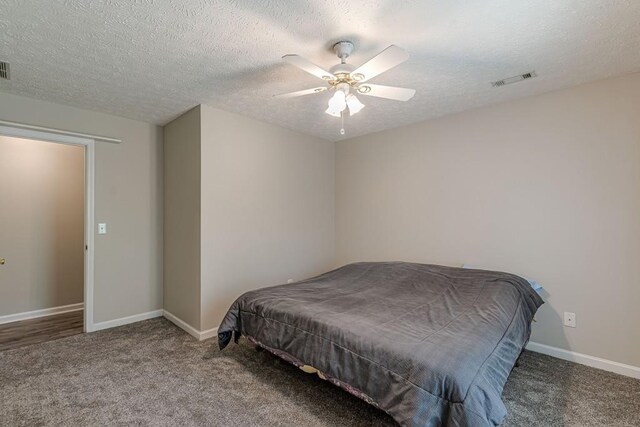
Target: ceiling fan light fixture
(354,104)
(337,103)
(348,81)
(333,112)
(338,100)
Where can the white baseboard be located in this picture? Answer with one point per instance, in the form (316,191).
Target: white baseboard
(182,325)
(126,320)
(40,313)
(209,333)
(199,335)
(585,359)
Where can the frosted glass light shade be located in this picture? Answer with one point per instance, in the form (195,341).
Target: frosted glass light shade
(354,104)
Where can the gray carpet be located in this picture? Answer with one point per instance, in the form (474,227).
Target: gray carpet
(152,373)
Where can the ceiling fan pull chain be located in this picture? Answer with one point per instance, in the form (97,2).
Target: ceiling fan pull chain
(342,119)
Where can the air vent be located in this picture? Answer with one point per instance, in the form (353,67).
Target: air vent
(4,70)
(514,79)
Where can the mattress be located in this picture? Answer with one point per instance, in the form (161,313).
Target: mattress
(430,345)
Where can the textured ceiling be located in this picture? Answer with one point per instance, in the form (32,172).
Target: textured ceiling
(153,59)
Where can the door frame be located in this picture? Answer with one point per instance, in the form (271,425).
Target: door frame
(89,188)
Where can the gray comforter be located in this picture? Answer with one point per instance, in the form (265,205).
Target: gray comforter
(430,345)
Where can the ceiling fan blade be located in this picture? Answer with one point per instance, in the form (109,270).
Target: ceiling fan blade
(388,92)
(301,92)
(308,66)
(385,60)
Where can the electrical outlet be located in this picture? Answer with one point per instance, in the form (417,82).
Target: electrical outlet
(102,228)
(569,319)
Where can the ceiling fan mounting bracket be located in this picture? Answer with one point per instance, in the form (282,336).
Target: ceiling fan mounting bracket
(343,49)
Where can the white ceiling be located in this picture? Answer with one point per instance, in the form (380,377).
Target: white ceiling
(154,59)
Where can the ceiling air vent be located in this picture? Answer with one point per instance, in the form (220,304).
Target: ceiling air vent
(4,70)
(514,79)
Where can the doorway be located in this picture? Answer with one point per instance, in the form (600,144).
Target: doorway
(46,223)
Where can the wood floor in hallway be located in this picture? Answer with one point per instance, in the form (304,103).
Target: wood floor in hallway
(42,329)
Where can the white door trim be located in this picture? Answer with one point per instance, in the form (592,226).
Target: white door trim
(60,132)
(42,134)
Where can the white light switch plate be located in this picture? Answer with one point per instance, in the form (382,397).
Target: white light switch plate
(102,228)
(569,319)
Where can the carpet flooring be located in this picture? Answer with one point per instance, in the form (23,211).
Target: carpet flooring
(152,373)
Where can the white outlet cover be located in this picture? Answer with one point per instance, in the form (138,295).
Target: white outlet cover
(569,319)
(102,228)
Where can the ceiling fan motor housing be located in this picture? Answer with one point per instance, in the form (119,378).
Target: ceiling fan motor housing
(341,69)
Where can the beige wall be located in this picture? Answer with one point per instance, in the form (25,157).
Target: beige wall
(267,208)
(128,196)
(182,217)
(547,187)
(41,225)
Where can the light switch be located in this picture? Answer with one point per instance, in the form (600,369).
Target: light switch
(102,228)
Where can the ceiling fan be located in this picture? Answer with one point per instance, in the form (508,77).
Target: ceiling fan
(346,80)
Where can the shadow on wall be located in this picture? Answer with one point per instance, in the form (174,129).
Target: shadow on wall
(550,321)
(67,243)
(532,390)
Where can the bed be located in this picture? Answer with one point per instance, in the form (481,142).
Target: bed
(430,345)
